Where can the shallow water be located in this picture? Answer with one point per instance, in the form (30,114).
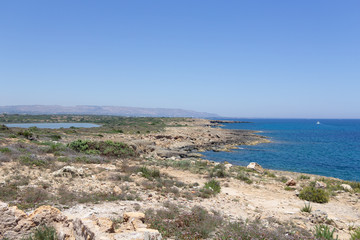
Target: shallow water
(331,148)
(52,125)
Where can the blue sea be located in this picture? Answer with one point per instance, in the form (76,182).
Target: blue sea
(331,148)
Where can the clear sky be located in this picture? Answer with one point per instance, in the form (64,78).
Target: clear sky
(254,58)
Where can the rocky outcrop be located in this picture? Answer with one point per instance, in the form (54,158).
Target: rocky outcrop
(291,182)
(15,224)
(347,187)
(319,184)
(255,166)
(69,171)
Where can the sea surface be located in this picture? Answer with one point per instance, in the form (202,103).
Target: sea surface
(52,125)
(331,148)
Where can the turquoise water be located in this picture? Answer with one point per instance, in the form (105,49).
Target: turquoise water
(52,125)
(331,148)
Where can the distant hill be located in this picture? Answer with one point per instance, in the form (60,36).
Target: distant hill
(103,110)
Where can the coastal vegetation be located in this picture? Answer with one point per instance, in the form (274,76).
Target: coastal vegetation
(313,194)
(43,233)
(307,208)
(104,148)
(95,167)
(324,232)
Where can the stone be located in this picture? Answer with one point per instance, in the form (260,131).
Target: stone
(255,166)
(227,166)
(347,187)
(291,182)
(15,224)
(69,171)
(117,190)
(319,184)
(130,216)
(318,217)
(134,219)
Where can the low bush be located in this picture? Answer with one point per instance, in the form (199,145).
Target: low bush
(287,188)
(307,208)
(270,174)
(356,234)
(255,230)
(244,177)
(5,150)
(149,173)
(324,232)
(32,160)
(43,233)
(313,194)
(26,134)
(106,148)
(173,223)
(218,171)
(213,185)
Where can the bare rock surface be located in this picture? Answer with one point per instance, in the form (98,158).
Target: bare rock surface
(255,166)
(16,224)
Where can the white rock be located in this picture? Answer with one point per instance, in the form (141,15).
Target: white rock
(347,187)
(255,166)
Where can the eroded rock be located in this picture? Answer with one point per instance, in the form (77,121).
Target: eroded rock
(255,166)
(69,171)
(320,184)
(291,182)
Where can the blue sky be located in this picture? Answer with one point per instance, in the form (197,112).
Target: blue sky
(234,58)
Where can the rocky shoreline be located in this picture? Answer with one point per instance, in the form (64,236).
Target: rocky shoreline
(97,198)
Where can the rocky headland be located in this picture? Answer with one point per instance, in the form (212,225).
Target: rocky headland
(148,195)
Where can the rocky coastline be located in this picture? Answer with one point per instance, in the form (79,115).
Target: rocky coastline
(91,197)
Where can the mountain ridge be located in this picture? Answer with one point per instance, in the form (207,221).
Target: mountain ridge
(103,110)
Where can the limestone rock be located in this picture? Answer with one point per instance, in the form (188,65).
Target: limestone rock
(347,187)
(319,184)
(117,190)
(69,171)
(134,215)
(15,224)
(227,166)
(291,182)
(255,166)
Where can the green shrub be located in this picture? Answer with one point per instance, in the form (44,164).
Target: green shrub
(356,234)
(304,177)
(55,137)
(287,188)
(244,177)
(3,128)
(313,194)
(32,160)
(106,148)
(218,171)
(307,208)
(251,230)
(324,232)
(172,223)
(213,185)
(26,134)
(149,173)
(283,179)
(270,174)
(43,233)
(5,150)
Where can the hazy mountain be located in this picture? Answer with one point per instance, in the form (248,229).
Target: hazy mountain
(103,110)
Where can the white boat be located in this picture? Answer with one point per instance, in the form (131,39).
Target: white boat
(318,123)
